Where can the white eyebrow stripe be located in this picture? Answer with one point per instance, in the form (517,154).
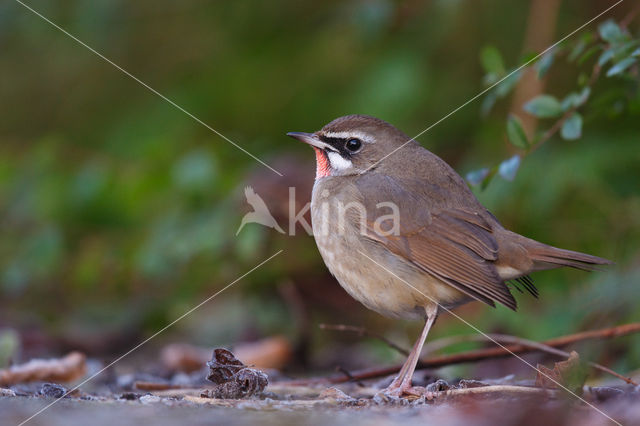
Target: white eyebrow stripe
(338,162)
(347,135)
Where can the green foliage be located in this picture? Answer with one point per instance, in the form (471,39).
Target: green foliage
(572,127)
(9,345)
(545,62)
(515,132)
(492,61)
(618,50)
(544,106)
(575,100)
(508,168)
(621,66)
(610,32)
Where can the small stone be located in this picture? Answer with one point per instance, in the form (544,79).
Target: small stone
(604,393)
(468,383)
(335,394)
(150,399)
(381,398)
(52,390)
(438,386)
(7,392)
(130,396)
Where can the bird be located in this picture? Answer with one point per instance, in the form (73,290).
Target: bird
(260,213)
(403,234)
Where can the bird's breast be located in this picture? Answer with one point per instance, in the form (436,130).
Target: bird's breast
(370,273)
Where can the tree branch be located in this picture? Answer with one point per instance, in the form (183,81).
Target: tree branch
(523,346)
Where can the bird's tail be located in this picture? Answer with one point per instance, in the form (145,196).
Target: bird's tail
(548,257)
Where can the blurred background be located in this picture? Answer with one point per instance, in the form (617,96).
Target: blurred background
(118,212)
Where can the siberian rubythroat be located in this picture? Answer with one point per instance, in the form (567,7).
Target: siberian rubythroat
(403,234)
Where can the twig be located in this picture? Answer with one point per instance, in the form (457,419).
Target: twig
(363,332)
(624,23)
(349,375)
(504,338)
(483,354)
(500,389)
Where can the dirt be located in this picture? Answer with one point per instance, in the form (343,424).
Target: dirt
(226,391)
(349,404)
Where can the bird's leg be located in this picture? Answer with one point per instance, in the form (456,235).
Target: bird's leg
(401,385)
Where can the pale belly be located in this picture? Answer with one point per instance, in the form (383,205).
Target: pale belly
(375,277)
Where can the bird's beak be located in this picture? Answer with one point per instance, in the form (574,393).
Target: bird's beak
(311,139)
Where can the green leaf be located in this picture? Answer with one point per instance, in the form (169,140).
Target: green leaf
(623,50)
(577,50)
(580,45)
(529,58)
(509,168)
(545,62)
(488,102)
(9,346)
(636,52)
(588,54)
(516,133)
(508,84)
(572,128)
(477,176)
(543,106)
(490,78)
(621,66)
(491,60)
(569,101)
(487,180)
(583,79)
(583,96)
(606,56)
(574,100)
(610,31)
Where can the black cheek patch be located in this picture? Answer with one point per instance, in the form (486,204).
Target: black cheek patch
(338,144)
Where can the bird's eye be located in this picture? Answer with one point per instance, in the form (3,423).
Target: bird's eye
(353,145)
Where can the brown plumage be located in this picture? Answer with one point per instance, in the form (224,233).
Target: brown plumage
(445,249)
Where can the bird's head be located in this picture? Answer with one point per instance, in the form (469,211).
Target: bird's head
(352,145)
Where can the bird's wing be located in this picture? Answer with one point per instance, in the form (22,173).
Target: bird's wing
(453,244)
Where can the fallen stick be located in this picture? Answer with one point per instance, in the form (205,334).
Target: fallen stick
(483,354)
(508,389)
(551,350)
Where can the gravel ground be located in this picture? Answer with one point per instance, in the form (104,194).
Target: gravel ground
(287,405)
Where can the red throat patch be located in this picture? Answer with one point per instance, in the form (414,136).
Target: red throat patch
(322,163)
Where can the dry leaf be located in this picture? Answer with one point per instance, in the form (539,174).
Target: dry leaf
(570,373)
(233,379)
(67,369)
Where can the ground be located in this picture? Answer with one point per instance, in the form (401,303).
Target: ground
(349,405)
